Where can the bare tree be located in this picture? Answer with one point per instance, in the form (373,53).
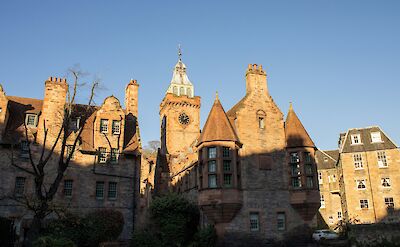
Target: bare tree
(47,183)
(151,148)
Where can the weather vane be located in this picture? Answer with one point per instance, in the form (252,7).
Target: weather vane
(179,52)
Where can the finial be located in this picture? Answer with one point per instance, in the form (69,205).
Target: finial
(290,106)
(179,52)
(216,95)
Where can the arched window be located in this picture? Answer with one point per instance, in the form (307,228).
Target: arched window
(175,90)
(189,92)
(182,91)
(261,119)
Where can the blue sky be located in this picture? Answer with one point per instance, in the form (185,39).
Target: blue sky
(337,61)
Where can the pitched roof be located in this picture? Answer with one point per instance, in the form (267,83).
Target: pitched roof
(296,134)
(367,144)
(218,126)
(326,159)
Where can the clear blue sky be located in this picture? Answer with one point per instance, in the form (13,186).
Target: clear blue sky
(337,61)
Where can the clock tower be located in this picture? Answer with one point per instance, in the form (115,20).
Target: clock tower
(179,113)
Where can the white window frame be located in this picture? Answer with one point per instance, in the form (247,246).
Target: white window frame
(102,155)
(116,127)
(364,204)
(322,201)
(212,152)
(35,120)
(382,160)
(320,179)
(376,137)
(361,182)
(358,161)
(331,220)
(104,125)
(114,153)
(386,181)
(389,202)
(356,139)
(254,218)
(339,215)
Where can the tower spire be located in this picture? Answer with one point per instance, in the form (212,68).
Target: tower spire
(179,52)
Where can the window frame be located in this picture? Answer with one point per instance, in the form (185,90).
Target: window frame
(113,190)
(212,155)
(356,139)
(281,220)
(386,180)
(358,161)
(322,201)
(35,119)
(364,204)
(100,186)
(116,127)
(67,191)
(102,157)
(382,159)
(389,202)
(362,182)
(19,186)
(377,136)
(254,221)
(114,156)
(103,125)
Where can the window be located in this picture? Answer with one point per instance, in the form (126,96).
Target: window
(322,201)
(308,168)
(281,221)
(227,165)
(212,166)
(361,184)
(295,169)
(296,182)
(310,182)
(104,125)
(254,222)
(114,155)
(175,90)
(358,162)
(68,188)
(112,190)
(31,120)
(182,91)
(102,155)
(382,159)
(74,124)
(385,182)
(376,137)
(332,178)
(294,158)
(225,152)
(356,139)
(307,158)
(212,152)
(261,123)
(24,147)
(227,180)
(99,190)
(70,149)
(330,220)
(19,186)
(339,215)
(320,177)
(189,92)
(212,181)
(364,204)
(326,159)
(116,127)
(389,202)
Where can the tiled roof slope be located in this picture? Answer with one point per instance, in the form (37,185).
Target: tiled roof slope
(218,126)
(296,134)
(326,159)
(367,144)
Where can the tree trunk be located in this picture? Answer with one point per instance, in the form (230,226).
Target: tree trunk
(34,229)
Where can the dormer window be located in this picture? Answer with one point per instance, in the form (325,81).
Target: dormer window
(104,125)
(116,127)
(74,124)
(356,139)
(376,137)
(31,120)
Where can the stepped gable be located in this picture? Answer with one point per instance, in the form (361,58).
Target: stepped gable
(295,133)
(218,126)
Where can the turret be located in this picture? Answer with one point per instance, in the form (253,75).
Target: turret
(53,108)
(3,112)
(131,98)
(220,196)
(256,79)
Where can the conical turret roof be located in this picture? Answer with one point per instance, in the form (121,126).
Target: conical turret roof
(295,133)
(218,126)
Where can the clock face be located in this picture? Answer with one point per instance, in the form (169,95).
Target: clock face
(184,119)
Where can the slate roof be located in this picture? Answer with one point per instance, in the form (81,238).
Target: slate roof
(326,159)
(367,144)
(218,127)
(296,134)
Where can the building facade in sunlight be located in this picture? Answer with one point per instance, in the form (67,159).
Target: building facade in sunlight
(104,167)
(360,182)
(252,173)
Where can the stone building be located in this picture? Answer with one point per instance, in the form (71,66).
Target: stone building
(359,182)
(251,173)
(104,168)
